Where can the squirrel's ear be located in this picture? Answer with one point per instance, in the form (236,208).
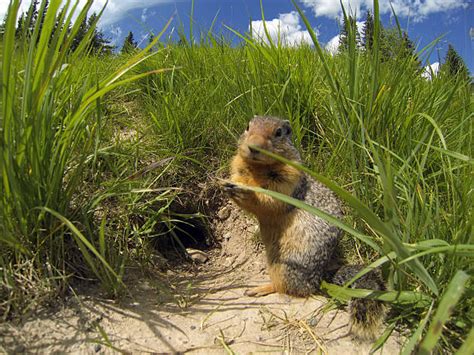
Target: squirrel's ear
(287,126)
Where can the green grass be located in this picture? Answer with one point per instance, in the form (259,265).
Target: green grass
(95,156)
(53,122)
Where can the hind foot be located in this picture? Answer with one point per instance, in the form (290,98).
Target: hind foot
(260,291)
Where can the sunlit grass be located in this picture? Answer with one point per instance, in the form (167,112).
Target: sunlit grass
(51,126)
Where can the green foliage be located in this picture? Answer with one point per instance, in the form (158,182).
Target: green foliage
(26,24)
(51,122)
(393,43)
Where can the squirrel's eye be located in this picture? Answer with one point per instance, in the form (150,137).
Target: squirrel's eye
(248,127)
(278,132)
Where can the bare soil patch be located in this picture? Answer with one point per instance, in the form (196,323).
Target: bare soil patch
(200,308)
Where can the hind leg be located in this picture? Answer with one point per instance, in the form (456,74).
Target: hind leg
(277,283)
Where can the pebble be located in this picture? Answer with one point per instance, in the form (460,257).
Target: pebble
(197,255)
(223,213)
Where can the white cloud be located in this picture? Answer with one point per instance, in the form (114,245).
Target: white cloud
(4,7)
(416,9)
(430,71)
(333,45)
(144,14)
(286,28)
(118,9)
(332,8)
(115,11)
(116,33)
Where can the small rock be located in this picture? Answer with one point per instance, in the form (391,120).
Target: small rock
(253,229)
(223,213)
(193,327)
(229,261)
(97,348)
(197,255)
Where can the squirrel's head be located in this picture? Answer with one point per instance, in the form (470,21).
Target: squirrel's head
(268,133)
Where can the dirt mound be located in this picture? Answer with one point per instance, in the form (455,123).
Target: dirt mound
(199,309)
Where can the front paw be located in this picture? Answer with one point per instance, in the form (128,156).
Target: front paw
(234,191)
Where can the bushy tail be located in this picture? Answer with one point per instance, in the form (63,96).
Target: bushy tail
(366,315)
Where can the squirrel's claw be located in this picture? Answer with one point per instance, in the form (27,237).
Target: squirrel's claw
(233,190)
(226,185)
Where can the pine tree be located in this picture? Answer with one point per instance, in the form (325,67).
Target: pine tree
(408,49)
(58,25)
(32,16)
(151,37)
(453,64)
(369,28)
(80,34)
(349,25)
(43,15)
(129,44)
(343,35)
(99,44)
(389,44)
(407,45)
(20,26)
(3,26)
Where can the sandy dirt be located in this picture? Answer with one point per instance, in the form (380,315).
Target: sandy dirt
(200,309)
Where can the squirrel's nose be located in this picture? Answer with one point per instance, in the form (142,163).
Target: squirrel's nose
(253,151)
(254,142)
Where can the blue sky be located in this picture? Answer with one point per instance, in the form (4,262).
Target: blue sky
(425,20)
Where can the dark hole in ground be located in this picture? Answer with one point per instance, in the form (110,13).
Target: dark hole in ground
(189,223)
(180,233)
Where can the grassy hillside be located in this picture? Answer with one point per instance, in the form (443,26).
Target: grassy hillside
(99,152)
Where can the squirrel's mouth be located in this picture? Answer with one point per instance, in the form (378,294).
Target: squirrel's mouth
(258,158)
(250,153)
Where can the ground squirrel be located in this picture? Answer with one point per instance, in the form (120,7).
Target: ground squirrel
(299,246)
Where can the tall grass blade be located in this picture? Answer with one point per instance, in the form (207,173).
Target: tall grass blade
(445,308)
